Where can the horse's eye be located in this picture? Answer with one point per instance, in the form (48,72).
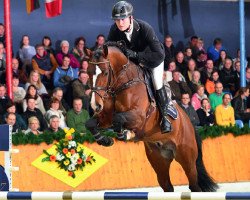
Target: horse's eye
(105,73)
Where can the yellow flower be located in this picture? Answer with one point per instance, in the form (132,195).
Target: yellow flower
(66,162)
(78,149)
(71,130)
(68,155)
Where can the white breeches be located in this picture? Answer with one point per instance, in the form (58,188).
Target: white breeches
(158,76)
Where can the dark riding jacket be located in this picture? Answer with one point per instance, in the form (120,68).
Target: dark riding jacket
(143,41)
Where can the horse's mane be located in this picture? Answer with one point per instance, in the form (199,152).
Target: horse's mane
(121,45)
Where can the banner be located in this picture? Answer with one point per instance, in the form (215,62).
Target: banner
(53,8)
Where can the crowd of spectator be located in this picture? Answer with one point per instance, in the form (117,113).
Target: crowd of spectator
(51,87)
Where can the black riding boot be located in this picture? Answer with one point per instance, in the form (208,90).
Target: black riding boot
(162,102)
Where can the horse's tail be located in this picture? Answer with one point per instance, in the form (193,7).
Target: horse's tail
(205,182)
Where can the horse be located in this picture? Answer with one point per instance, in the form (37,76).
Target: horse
(121,101)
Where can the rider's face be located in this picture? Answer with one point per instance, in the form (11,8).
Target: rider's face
(123,24)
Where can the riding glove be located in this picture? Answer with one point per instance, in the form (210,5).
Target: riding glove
(131,54)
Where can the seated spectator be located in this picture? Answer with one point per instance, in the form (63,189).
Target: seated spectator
(80,50)
(33,127)
(10,119)
(178,87)
(58,94)
(237,72)
(55,111)
(224,113)
(169,51)
(189,109)
(200,45)
(4,99)
(201,60)
(64,74)
(20,123)
(195,81)
(34,79)
(47,43)
(221,61)
(188,73)
(198,96)
(100,40)
(2,34)
(77,117)
(168,74)
(210,84)
(32,92)
(18,93)
(187,54)
(54,122)
(45,64)
(207,71)
(213,52)
(65,51)
(206,116)
(216,97)
(228,77)
(25,53)
(240,105)
(192,43)
(81,89)
(181,65)
(2,59)
(32,111)
(84,65)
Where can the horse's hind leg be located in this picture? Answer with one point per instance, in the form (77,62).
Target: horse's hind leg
(161,166)
(187,159)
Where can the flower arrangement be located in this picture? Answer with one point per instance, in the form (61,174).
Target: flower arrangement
(69,155)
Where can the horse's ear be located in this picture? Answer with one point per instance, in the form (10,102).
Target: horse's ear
(89,53)
(105,50)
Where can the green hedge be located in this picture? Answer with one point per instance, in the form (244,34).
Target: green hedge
(205,132)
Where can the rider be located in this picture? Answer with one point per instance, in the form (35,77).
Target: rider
(144,48)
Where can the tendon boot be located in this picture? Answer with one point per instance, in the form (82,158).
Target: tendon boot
(162,102)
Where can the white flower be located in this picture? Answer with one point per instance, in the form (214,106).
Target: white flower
(71,144)
(71,167)
(84,157)
(74,158)
(59,157)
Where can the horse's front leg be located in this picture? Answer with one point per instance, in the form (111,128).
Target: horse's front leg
(123,123)
(92,126)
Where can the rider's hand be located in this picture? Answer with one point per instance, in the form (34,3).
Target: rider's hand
(131,54)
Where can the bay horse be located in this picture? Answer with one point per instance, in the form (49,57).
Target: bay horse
(121,101)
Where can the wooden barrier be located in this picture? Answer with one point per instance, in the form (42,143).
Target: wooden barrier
(226,159)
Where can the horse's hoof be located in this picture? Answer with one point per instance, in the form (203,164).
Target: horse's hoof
(106,141)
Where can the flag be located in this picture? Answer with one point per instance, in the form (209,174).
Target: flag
(31,5)
(53,8)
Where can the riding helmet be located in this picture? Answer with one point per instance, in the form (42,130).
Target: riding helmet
(122,10)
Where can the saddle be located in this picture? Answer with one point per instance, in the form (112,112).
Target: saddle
(171,111)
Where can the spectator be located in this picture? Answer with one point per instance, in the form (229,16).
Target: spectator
(4,99)
(228,77)
(100,40)
(64,74)
(187,54)
(65,51)
(77,117)
(47,43)
(25,53)
(178,87)
(201,60)
(210,84)
(193,44)
(221,61)
(169,51)
(168,75)
(2,34)
(81,89)
(10,119)
(45,64)
(33,127)
(2,59)
(207,71)
(55,111)
(205,114)
(185,104)
(247,76)
(58,94)
(237,74)
(32,92)
(18,93)
(224,113)
(54,127)
(80,50)
(200,46)
(198,96)
(213,52)
(195,81)
(32,111)
(84,65)
(20,123)
(188,73)
(181,65)
(240,105)
(34,79)
(216,97)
